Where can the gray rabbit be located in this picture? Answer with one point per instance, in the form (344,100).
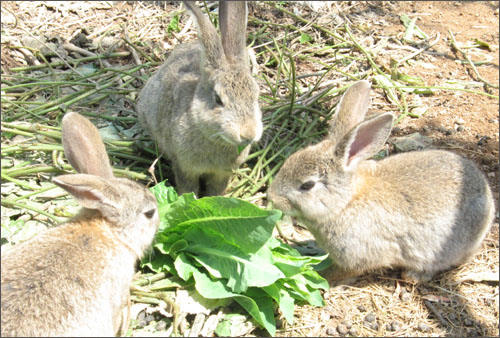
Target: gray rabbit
(425,211)
(202,104)
(74,279)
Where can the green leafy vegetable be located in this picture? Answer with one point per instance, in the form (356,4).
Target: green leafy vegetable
(411,28)
(240,149)
(305,38)
(225,246)
(173,25)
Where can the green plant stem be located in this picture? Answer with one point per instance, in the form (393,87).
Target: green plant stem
(74,62)
(47,84)
(31,147)
(18,182)
(447,88)
(35,127)
(31,170)
(34,193)
(16,172)
(141,296)
(293,84)
(150,280)
(10,203)
(466,56)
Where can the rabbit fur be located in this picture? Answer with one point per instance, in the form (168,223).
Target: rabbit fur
(202,104)
(74,279)
(423,211)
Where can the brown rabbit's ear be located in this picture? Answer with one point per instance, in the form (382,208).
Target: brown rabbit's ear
(351,110)
(208,35)
(364,140)
(233,26)
(83,146)
(91,192)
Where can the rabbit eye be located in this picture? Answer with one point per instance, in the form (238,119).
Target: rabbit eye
(217,99)
(307,185)
(150,213)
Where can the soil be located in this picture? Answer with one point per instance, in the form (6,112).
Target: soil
(478,139)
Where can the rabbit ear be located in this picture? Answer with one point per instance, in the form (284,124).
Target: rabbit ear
(364,140)
(91,191)
(207,33)
(233,26)
(83,146)
(351,109)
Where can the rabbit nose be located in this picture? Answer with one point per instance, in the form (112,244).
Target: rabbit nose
(244,141)
(250,133)
(247,136)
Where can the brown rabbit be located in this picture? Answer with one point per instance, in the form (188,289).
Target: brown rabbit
(74,279)
(202,105)
(423,211)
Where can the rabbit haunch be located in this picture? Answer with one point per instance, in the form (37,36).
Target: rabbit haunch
(74,279)
(53,296)
(424,211)
(202,106)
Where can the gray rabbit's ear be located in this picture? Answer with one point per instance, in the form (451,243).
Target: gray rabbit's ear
(351,110)
(83,146)
(92,192)
(233,26)
(214,54)
(364,140)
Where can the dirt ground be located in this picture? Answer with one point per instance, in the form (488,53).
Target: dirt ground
(446,112)
(461,302)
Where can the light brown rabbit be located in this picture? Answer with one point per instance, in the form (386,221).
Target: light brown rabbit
(74,279)
(202,105)
(424,211)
